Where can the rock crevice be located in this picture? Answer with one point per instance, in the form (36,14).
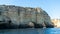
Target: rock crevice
(24,16)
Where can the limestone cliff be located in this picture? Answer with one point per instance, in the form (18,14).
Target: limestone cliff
(56,22)
(24,16)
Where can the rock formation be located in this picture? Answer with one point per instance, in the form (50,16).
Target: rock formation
(24,16)
(56,22)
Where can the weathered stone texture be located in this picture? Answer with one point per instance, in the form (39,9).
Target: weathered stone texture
(20,15)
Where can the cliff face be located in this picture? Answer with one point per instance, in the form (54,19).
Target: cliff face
(56,22)
(24,15)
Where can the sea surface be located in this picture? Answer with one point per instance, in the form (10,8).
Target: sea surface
(31,31)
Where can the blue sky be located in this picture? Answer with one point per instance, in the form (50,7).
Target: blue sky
(52,7)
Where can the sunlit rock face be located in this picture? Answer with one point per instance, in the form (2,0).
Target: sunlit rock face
(33,17)
(56,22)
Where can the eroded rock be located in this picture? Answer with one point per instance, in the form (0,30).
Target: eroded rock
(25,16)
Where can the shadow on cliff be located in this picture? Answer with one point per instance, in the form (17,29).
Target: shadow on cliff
(10,25)
(6,21)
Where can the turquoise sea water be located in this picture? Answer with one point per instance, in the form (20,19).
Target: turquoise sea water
(31,31)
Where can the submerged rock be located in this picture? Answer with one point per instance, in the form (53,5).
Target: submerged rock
(25,16)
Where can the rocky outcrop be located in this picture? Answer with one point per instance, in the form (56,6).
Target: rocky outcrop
(24,16)
(56,22)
